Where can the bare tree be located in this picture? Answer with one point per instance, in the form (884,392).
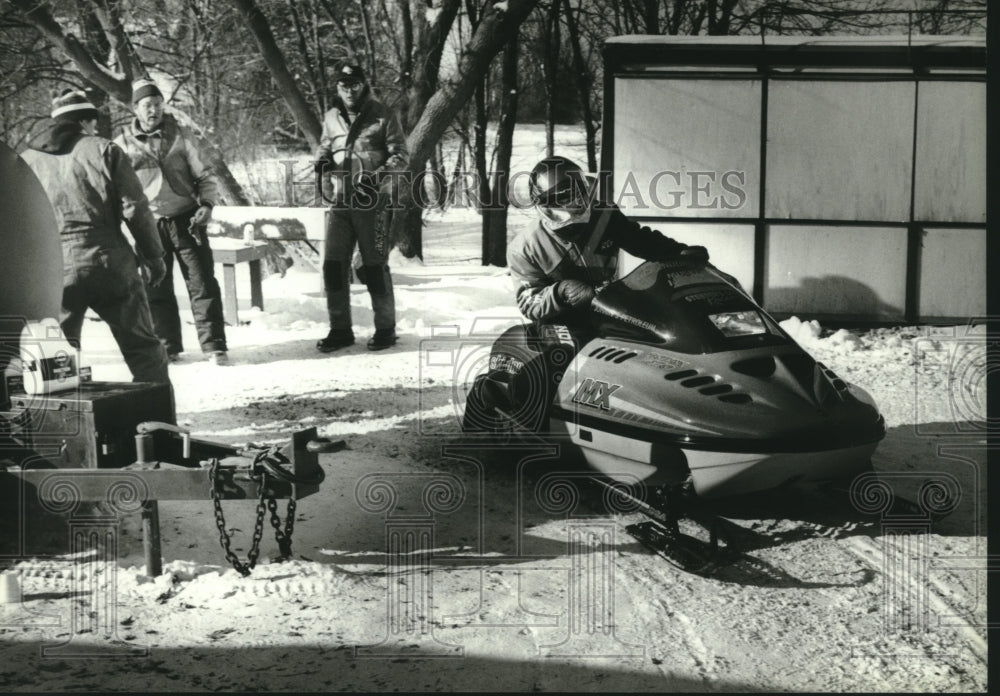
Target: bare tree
(499,23)
(551,40)
(480,126)
(303,112)
(584,84)
(495,213)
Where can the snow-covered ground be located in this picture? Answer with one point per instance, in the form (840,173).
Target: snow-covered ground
(491,585)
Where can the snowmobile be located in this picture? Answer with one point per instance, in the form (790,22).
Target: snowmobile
(680,381)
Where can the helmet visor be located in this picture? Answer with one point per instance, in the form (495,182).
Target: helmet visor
(570,194)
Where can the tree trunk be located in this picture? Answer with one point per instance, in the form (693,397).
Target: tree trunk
(675,18)
(650,16)
(438,193)
(629,17)
(431,41)
(275,61)
(495,214)
(495,29)
(552,41)
(97,44)
(584,84)
(482,169)
(312,73)
(366,24)
(719,24)
(406,76)
(426,43)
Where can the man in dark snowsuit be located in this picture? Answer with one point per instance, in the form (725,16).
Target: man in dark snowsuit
(93,188)
(182,191)
(361,147)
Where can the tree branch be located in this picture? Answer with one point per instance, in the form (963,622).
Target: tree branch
(109,15)
(111,83)
(352,49)
(275,60)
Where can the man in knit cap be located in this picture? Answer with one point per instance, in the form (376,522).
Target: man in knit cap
(182,190)
(93,188)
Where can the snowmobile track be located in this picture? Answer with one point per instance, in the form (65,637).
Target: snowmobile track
(919,585)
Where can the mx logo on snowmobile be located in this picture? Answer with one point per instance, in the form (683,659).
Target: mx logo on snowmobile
(594,392)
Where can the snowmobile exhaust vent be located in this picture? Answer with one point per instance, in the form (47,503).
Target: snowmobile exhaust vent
(709,385)
(612,354)
(837,382)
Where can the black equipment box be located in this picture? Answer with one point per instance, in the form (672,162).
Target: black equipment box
(91,426)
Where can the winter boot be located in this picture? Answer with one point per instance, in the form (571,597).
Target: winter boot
(335,340)
(383,338)
(218,357)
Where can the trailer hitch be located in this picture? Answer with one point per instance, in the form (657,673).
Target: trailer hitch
(171,464)
(274,462)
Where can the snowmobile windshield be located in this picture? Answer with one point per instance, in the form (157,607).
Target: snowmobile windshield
(688,310)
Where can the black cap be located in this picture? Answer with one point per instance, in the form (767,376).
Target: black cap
(349,72)
(144,88)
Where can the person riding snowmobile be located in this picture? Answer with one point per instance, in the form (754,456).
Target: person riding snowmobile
(559,263)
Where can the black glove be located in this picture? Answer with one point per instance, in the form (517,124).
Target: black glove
(574,293)
(697,255)
(323,162)
(153,271)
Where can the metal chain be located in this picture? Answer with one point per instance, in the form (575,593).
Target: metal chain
(284,538)
(220,522)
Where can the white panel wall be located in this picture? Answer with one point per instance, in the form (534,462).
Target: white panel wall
(953,273)
(687,147)
(730,247)
(814,270)
(951,152)
(839,150)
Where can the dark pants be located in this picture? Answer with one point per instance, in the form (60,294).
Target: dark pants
(107,280)
(198,269)
(367,229)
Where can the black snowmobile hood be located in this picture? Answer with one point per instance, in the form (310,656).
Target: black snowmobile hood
(58,138)
(688,309)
